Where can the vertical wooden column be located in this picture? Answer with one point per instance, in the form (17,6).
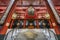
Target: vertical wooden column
(11,23)
(37,23)
(24,26)
(50,23)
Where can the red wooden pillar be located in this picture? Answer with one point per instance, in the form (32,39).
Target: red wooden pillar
(50,23)
(11,23)
(37,23)
(24,24)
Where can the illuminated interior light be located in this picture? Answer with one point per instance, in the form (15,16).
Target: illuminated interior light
(53,24)
(44,24)
(14,16)
(18,24)
(47,16)
(7,24)
(31,24)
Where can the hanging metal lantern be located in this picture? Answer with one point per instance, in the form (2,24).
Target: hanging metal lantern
(31,10)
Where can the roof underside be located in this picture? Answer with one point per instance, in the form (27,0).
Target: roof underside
(27,2)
